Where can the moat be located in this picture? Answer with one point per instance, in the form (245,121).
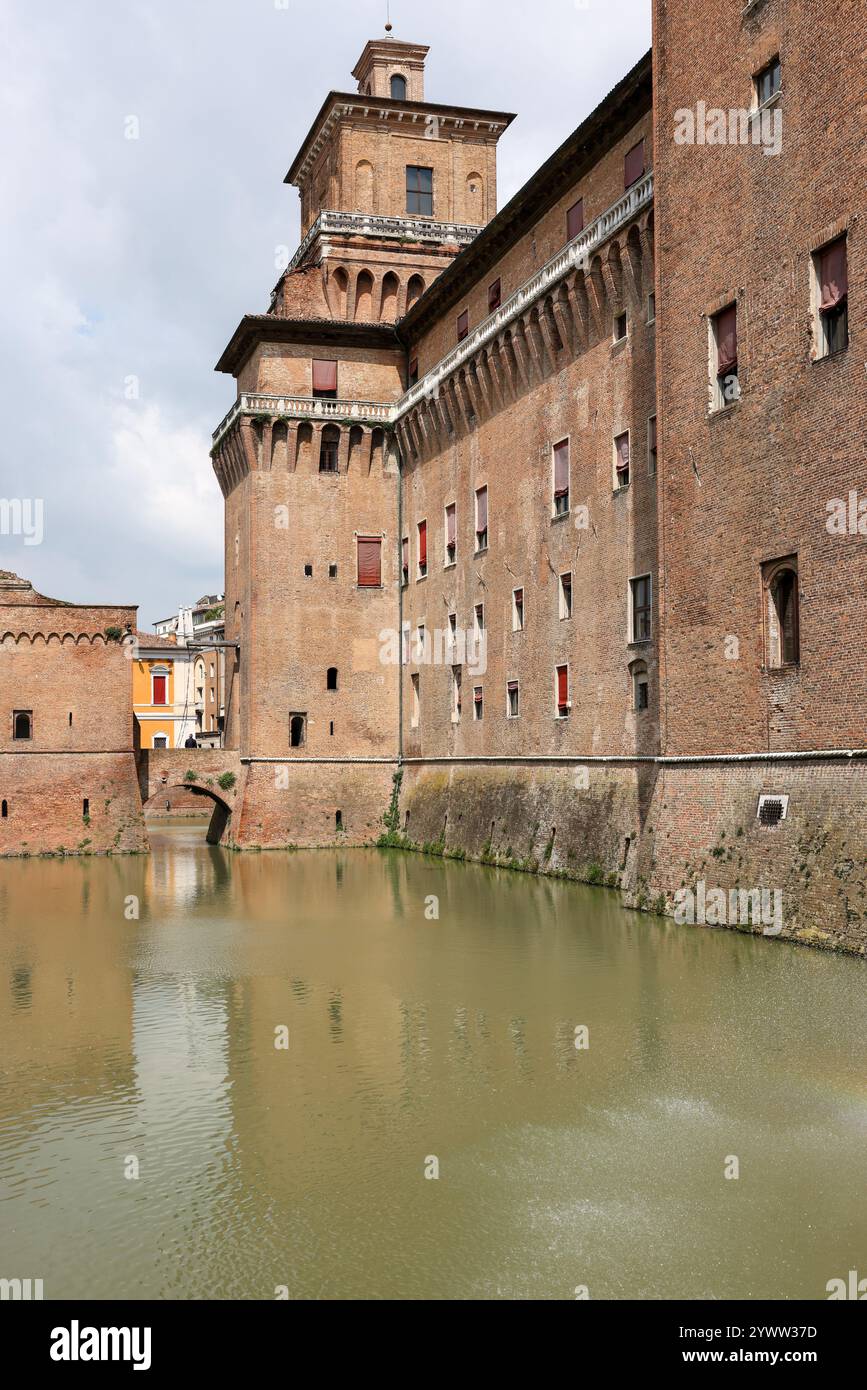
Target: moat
(282,1043)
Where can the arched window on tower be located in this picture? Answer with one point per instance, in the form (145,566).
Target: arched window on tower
(783,641)
(331,678)
(22,723)
(414,290)
(398,88)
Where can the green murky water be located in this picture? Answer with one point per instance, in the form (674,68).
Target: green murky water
(409,1038)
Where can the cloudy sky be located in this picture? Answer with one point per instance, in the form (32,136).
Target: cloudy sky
(128,262)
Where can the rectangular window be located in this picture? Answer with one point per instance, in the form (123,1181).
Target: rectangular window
(481,519)
(456,694)
(562,692)
(328,450)
(513,707)
(620,327)
(725,386)
(640,604)
(478,622)
(160,690)
(324,379)
(651,445)
(413,369)
(404,644)
(561,478)
(22,723)
(633,165)
(621,460)
(494,296)
(451,530)
(651,307)
(422,549)
(478,702)
(768,82)
(414,700)
(463,325)
(575,220)
(419,190)
(566,595)
(831,296)
(420,645)
(369,550)
(404,560)
(517,610)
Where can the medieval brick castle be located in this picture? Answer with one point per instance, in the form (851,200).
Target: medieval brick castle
(546,528)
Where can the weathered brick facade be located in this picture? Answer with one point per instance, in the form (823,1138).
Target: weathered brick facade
(482,434)
(67,769)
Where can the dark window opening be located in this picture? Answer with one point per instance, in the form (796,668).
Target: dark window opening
(784,619)
(413,370)
(494,296)
(566,595)
(463,325)
(85,807)
(419,190)
(768,81)
(641,608)
(619,327)
(22,723)
(331,729)
(332,571)
(328,452)
(651,444)
(297,730)
(404,560)
(70,719)
(832,274)
(308,571)
(331,678)
(398,88)
(338,820)
(4,809)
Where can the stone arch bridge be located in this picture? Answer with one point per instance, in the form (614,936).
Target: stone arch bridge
(212,773)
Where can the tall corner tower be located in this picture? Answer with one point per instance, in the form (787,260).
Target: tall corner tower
(392,187)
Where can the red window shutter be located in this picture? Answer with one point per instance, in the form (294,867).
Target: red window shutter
(561,468)
(369,562)
(727,341)
(482,509)
(324,375)
(451,529)
(575,220)
(160,690)
(463,325)
(633,165)
(833,274)
(562,685)
(422,542)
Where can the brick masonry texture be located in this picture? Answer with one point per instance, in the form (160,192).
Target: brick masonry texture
(730,493)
